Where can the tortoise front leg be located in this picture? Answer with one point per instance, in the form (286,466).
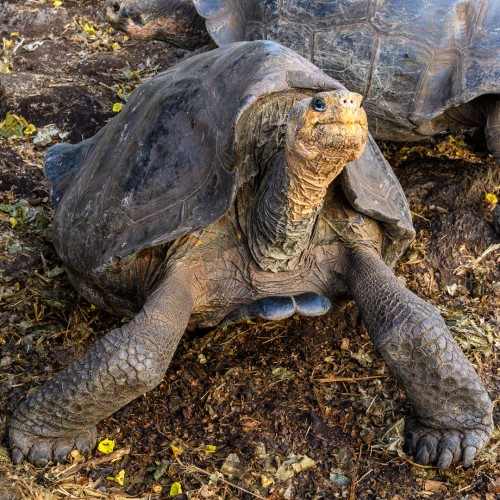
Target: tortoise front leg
(122,365)
(453,409)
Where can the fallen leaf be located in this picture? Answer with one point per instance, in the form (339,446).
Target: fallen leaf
(305,463)
(232,466)
(283,374)
(436,486)
(266,481)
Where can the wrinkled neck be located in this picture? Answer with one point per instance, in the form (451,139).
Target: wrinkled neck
(285,210)
(309,181)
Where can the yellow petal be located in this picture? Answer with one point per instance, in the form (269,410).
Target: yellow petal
(117,107)
(176,451)
(175,489)
(210,448)
(119,478)
(13,222)
(106,446)
(30,129)
(88,28)
(491,198)
(57,3)
(116,46)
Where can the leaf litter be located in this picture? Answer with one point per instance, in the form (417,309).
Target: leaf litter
(307,406)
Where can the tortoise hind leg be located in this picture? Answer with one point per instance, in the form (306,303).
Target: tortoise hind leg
(492,128)
(121,366)
(453,409)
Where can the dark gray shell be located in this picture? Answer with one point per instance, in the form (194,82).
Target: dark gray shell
(165,166)
(411,60)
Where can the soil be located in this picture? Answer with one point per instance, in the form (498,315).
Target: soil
(301,409)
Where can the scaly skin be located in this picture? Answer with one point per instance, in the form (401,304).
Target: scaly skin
(121,366)
(492,129)
(453,409)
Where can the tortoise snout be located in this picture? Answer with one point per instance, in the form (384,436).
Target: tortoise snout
(350,101)
(344,107)
(349,107)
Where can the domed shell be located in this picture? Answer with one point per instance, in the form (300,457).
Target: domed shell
(165,166)
(410,60)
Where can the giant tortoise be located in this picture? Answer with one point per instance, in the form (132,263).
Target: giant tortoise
(422,67)
(221,193)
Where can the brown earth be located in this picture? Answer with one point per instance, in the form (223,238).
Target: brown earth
(306,406)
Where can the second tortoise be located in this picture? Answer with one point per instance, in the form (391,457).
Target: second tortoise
(422,67)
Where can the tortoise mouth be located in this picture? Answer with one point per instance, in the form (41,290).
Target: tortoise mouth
(336,136)
(343,128)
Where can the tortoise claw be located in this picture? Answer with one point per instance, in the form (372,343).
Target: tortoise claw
(444,446)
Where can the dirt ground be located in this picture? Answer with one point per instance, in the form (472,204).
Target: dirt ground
(302,409)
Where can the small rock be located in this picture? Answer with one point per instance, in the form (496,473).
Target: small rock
(232,467)
(338,478)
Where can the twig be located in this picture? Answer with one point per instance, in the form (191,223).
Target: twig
(363,476)
(352,489)
(420,216)
(116,455)
(402,457)
(193,468)
(349,379)
(470,265)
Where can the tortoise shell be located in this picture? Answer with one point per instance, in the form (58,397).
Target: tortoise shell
(165,166)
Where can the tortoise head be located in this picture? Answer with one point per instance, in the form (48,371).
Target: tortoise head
(326,131)
(172,21)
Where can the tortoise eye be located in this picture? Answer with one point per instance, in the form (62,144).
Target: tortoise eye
(116,7)
(319,104)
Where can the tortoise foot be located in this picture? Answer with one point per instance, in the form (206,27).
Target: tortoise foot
(444,446)
(37,441)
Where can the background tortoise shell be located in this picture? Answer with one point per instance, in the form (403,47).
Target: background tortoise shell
(411,60)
